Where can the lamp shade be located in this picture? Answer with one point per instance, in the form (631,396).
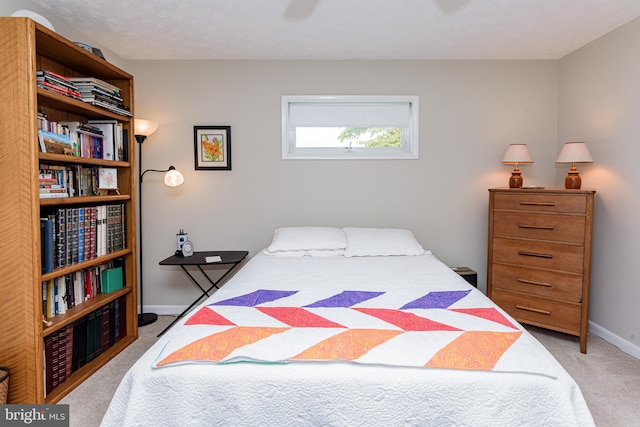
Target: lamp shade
(173,178)
(144,127)
(517,154)
(574,152)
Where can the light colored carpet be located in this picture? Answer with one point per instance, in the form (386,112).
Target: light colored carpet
(608,377)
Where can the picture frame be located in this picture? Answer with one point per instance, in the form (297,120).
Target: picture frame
(107,178)
(212,147)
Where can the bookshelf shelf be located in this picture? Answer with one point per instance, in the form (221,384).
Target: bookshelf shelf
(82,200)
(25,335)
(60,158)
(86,264)
(80,310)
(73,106)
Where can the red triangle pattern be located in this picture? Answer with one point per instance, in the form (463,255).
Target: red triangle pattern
(405,320)
(486,313)
(299,317)
(206,316)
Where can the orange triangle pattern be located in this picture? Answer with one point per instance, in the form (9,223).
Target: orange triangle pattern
(474,350)
(348,345)
(219,345)
(206,316)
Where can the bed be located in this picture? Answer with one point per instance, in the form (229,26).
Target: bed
(347,327)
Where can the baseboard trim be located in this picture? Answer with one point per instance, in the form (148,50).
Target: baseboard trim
(614,339)
(164,310)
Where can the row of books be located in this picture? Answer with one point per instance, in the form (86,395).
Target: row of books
(96,139)
(88,89)
(67,291)
(68,349)
(55,181)
(75,180)
(75,234)
(102,94)
(56,83)
(70,138)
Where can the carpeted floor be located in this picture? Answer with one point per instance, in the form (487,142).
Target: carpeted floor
(608,377)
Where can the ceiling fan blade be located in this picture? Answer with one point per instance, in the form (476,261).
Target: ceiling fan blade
(300,9)
(447,6)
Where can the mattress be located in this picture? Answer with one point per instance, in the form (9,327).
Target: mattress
(184,379)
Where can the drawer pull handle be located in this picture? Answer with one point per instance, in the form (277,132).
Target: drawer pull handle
(537,203)
(537,227)
(531,282)
(535,310)
(535,254)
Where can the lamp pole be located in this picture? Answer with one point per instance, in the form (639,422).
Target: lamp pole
(143,318)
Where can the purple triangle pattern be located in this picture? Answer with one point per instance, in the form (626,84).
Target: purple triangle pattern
(255,298)
(443,299)
(345,299)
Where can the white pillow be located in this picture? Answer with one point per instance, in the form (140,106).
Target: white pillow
(307,238)
(380,242)
(317,253)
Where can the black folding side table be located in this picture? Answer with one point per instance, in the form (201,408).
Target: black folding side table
(229,259)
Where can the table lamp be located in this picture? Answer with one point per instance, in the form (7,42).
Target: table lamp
(574,152)
(516,154)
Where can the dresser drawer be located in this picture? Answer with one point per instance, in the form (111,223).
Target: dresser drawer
(558,228)
(556,315)
(537,282)
(553,256)
(540,202)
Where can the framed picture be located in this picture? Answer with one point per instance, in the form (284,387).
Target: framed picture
(107,178)
(212,147)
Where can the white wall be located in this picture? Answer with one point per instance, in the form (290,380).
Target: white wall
(600,104)
(470,112)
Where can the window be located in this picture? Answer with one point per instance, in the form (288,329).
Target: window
(350,127)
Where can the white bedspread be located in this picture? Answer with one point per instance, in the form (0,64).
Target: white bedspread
(345,394)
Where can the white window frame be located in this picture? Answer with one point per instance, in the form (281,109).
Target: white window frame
(409,150)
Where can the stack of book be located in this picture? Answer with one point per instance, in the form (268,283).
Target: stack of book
(100,93)
(56,83)
(78,180)
(54,180)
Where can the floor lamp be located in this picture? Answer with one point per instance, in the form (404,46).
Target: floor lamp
(173,178)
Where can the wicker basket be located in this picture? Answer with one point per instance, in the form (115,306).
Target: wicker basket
(4,384)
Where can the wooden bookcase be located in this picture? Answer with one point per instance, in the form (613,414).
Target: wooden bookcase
(26,47)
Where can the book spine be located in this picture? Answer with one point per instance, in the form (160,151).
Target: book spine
(81,234)
(47,244)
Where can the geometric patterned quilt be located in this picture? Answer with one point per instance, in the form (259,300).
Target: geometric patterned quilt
(435,330)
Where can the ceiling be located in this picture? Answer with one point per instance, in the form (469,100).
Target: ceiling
(341,29)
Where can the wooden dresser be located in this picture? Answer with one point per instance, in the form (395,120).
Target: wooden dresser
(540,256)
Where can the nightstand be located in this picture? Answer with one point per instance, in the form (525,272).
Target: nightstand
(467,274)
(228,259)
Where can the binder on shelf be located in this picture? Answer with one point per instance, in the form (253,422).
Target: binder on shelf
(111,279)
